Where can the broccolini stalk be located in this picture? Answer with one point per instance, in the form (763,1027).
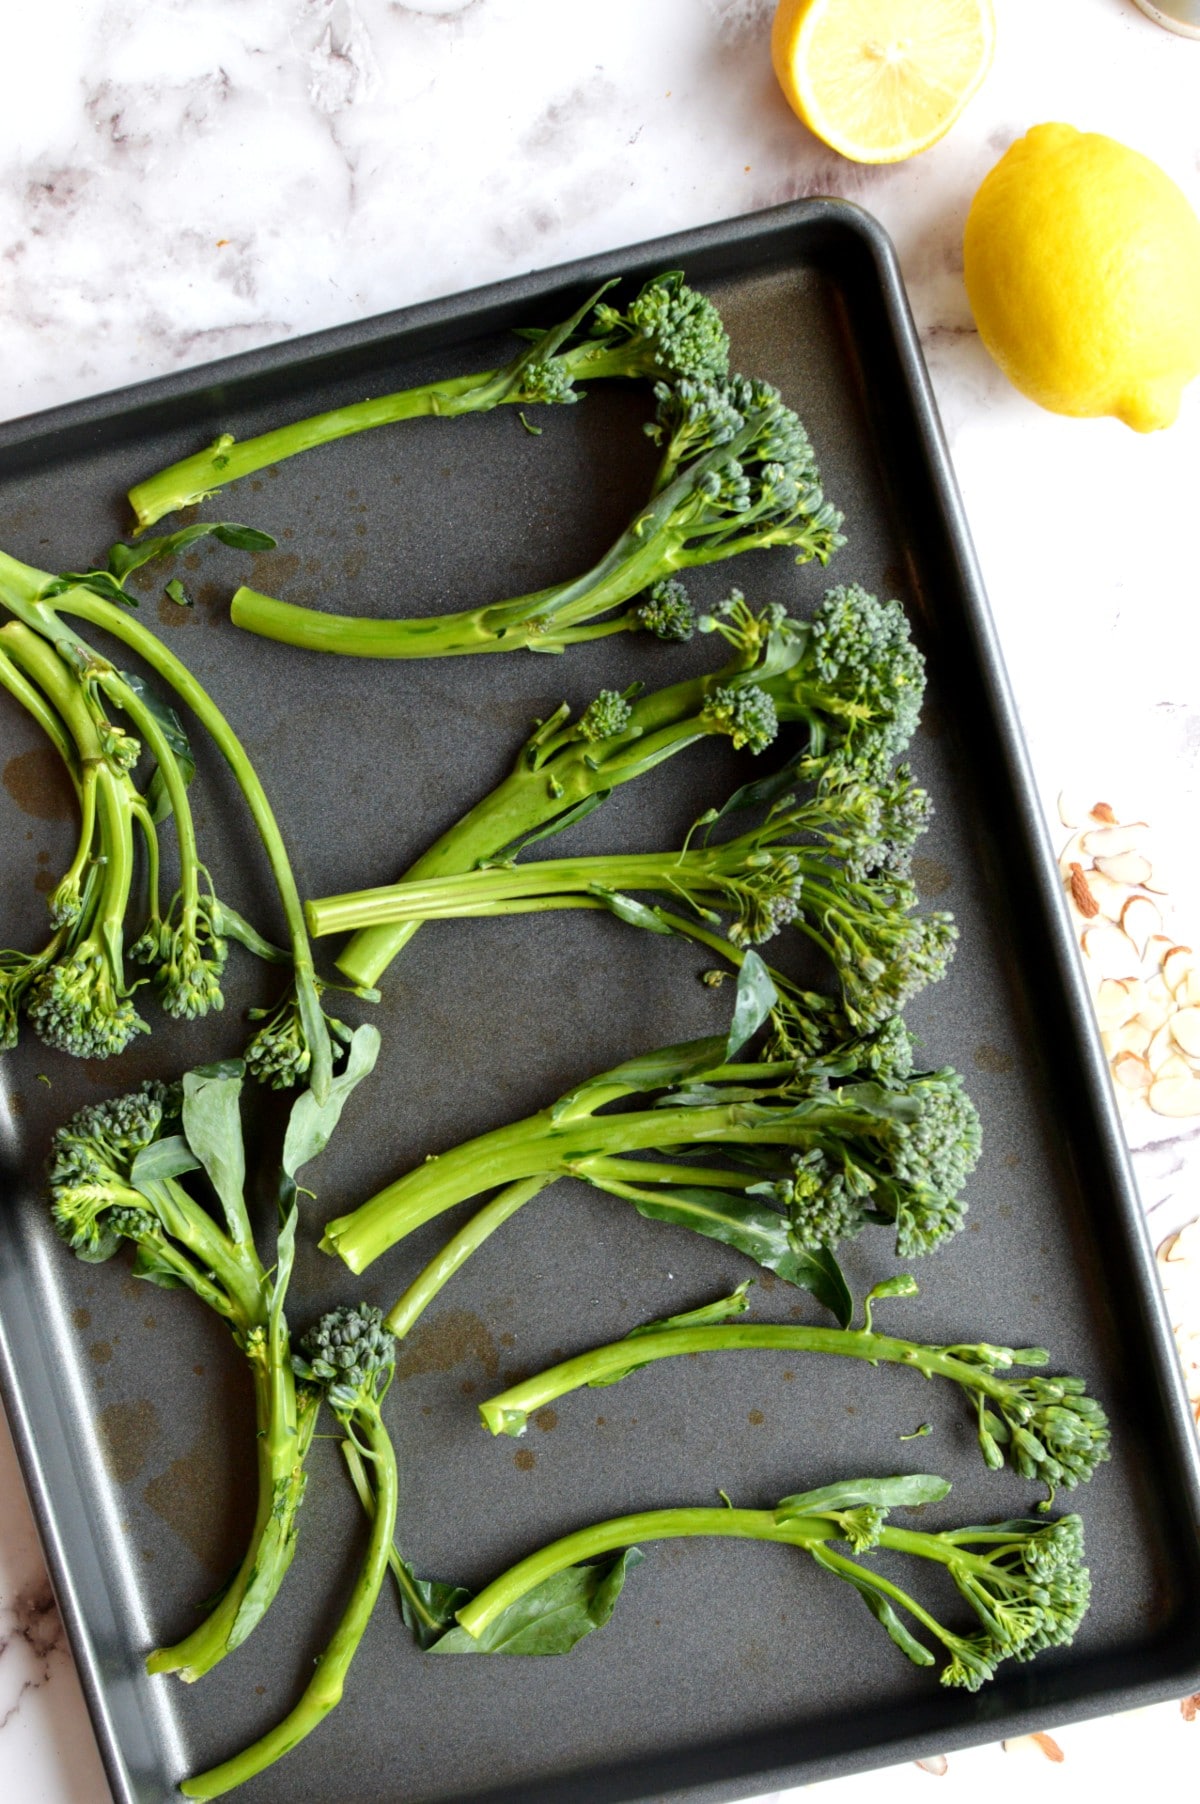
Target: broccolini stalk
(75,992)
(1025,1582)
(1048,1428)
(785,1161)
(186,948)
(117,1174)
(667,331)
(350,1358)
(850,676)
(845,885)
(737,474)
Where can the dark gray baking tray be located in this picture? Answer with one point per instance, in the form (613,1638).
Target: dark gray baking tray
(728,1669)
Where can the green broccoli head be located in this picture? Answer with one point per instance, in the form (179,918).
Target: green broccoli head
(745,712)
(861,656)
(932,1158)
(79,1005)
(667,611)
(351,1355)
(605,717)
(1029,1592)
(91,1159)
(1055,1433)
(668,331)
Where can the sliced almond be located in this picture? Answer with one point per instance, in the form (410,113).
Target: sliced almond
(1177,964)
(1154,1010)
(1132,1037)
(1109,896)
(1161,1048)
(1132,1073)
(1132,868)
(1187,990)
(1080,893)
(1112,952)
(1117,1001)
(1156,949)
(1141,920)
(1102,812)
(1070,809)
(1173,1067)
(1185,1030)
(1176,1097)
(1108,842)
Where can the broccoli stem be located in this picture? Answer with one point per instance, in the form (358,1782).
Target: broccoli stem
(36,706)
(508,1411)
(549,780)
(548,1145)
(194,479)
(600,1538)
(457,1250)
(85,606)
(283,1434)
(324,1690)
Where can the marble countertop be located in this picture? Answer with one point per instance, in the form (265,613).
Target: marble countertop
(188,179)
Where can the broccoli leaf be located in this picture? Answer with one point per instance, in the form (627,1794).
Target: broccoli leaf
(749,1227)
(311,1123)
(877,1603)
(553,1616)
(902,1492)
(212,1126)
(124,558)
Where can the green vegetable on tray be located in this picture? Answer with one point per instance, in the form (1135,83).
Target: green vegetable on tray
(667,331)
(78,991)
(126,1171)
(850,677)
(1025,1582)
(776,1161)
(1048,1429)
(737,474)
(835,865)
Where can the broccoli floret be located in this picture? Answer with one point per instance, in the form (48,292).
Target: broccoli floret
(75,993)
(79,1005)
(667,611)
(1052,1431)
(351,1354)
(605,717)
(900,1151)
(669,330)
(746,714)
(861,661)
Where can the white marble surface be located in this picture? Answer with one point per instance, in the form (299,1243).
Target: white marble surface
(193,177)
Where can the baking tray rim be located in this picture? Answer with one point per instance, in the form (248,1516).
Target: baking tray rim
(205,387)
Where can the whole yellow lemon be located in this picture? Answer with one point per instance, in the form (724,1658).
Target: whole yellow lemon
(1082,266)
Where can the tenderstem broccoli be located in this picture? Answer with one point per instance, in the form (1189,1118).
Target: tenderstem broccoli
(77,993)
(737,474)
(835,865)
(777,1160)
(349,1358)
(1048,1429)
(667,331)
(1025,1582)
(850,677)
(135,1170)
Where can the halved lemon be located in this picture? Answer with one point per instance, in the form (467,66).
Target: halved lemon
(879,80)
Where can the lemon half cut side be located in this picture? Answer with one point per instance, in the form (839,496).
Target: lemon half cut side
(880,80)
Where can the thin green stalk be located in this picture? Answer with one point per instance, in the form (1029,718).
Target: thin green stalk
(324,1690)
(553,1145)
(194,479)
(507,1412)
(361,1481)
(85,606)
(35,704)
(601,1538)
(457,1251)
